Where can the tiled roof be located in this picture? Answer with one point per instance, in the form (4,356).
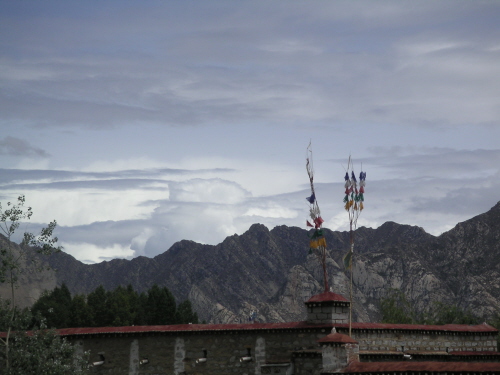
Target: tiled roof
(190,328)
(397,367)
(270,326)
(327,297)
(481,328)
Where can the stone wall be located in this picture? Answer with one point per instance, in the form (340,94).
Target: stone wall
(334,357)
(178,354)
(307,362)
(327,314)
(424,341)
(277,351)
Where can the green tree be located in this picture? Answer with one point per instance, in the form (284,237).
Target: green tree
(134,303)
(55,307)
(185,313)
(170,312)
(450,314)
(80,314)
(120,305)
(141,318)
(96,302)
(160,306)
(43,352)
(20,351)
(396,309)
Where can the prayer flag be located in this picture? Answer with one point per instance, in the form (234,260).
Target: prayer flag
(348,260)
(318,221)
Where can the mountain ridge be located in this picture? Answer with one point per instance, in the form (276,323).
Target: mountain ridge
(271,272)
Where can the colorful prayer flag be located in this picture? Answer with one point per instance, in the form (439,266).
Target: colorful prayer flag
(311,199)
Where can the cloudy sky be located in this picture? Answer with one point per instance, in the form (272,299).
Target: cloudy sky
(136,124)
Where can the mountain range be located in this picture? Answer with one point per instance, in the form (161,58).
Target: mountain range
(270,272)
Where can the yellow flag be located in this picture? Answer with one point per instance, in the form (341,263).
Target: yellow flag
(348,260)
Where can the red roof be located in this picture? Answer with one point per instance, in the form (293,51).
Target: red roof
(270,326)
(481,328)
(462,367)
(189,328)
(338,338)
(327,297)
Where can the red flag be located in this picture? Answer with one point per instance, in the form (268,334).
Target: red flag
(318,221)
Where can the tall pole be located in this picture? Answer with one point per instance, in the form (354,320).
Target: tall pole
(318,242)
(350,289)
(353,200)
(323,263)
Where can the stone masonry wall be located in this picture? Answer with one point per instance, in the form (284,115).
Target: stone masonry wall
(334,357)
(307,363)
(177,354)
(436,341)
(327,314)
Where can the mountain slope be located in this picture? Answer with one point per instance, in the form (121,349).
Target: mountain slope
(271,272)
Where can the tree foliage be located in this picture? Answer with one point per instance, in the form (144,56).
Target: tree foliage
(39,351)
(395,308)
(185,313)
(451,314)
(122,306)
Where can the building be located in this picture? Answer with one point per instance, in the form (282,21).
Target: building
(319,345)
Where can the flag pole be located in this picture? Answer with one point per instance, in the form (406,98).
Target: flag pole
(317,243)
(350,292)
(351,241)
(353,200)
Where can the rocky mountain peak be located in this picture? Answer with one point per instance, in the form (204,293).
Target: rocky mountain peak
(272,273)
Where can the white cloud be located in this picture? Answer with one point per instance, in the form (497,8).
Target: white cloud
(138,163)
(85,206)
(208,191)
(259,177)
(90,253)
(423,48)
(193,126)
(274,211)
(138,243)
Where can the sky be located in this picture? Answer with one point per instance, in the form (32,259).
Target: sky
(137,124)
